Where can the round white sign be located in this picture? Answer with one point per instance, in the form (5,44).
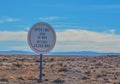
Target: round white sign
(41,38)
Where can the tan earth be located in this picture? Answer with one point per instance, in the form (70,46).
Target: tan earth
(24,69)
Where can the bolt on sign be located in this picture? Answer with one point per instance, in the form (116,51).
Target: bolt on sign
(41,38)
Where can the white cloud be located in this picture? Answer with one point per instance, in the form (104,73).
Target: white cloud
(48,18)
(8,20)
(85,35)
(112,31)
(27,28)
(72,40)
(11,20)
(13,36)
(23,47)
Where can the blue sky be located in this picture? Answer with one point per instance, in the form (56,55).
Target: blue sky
(80,25)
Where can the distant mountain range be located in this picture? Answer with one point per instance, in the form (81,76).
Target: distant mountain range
(82,53)
(16,52)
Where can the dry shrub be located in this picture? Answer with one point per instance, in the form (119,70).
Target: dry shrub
(59,81)
(64,69)
(7,75)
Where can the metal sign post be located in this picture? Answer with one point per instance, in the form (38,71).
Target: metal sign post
(41,39)
(40,67)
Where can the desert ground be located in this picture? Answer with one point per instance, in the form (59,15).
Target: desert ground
(24,69)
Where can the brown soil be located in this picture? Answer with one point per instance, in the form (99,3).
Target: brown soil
(24,69)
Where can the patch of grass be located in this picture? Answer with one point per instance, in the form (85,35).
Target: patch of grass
(58,81)
(4,80)
(20,78)
(64,69)
(51,59)
(84,78)
(17,65)
(32,78)
(46,80)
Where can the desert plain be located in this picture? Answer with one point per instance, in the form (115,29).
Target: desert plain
(59,69)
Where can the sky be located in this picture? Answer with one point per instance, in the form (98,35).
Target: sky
(80,25)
